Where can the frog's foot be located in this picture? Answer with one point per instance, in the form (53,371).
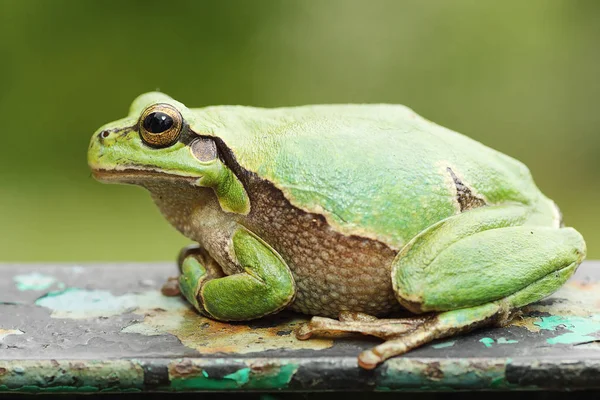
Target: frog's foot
(354,322)
(437,326)
(404,334)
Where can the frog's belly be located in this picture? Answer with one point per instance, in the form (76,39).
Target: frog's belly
(333,272)
(337,276)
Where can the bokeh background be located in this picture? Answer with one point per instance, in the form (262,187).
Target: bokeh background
(520,76)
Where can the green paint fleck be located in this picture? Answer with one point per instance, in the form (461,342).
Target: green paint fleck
(444,344)
(34,281)
(554,321)
(205,374)
(581,329)
(487,342)
(241,376)
(506,341)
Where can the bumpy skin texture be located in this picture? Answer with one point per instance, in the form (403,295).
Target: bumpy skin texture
(366,206)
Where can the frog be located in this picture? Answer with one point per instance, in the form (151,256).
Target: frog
(368,218)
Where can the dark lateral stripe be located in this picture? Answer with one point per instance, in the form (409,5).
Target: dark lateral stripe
(465,197)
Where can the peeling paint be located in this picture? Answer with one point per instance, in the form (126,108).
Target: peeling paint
(6,332)
(186,375)
(443,345)
(579,313)
(78,303)
(527,323)
(581,329)
(33,281)
(29,376)
(208,336)
(406,373)
(174,316)
(271,375)
(133,341)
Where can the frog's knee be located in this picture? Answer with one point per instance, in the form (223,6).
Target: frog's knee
(576,241)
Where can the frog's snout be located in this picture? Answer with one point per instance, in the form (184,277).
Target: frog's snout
(107,137)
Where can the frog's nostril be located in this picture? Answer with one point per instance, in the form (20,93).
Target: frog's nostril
(104,134)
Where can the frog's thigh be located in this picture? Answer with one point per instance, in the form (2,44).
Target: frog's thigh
(484,255)
(474,269)
(263,286)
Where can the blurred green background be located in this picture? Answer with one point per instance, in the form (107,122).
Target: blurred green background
(519,76)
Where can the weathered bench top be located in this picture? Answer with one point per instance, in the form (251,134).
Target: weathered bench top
(93,327)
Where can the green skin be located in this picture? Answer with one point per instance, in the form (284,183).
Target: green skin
(379,172)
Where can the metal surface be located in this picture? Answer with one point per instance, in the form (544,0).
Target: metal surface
(95,328)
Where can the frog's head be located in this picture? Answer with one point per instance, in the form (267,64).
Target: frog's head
(155,142)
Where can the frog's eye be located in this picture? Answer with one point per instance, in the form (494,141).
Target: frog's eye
(160,125)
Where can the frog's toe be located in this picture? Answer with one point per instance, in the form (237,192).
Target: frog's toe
(319,326)
(355,316)
(171,287)
(330,327)
(352,323)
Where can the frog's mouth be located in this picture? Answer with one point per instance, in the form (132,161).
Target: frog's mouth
(138,176)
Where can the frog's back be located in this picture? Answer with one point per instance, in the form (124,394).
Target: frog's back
(376,171)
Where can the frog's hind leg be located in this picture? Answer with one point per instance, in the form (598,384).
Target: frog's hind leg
(471,270)
(355,322)
(477,269)
(403,334)
(438,326)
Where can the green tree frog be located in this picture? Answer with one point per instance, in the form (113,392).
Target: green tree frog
(342,212)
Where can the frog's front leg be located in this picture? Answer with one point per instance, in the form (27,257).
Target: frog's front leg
(264,284)
(472,270)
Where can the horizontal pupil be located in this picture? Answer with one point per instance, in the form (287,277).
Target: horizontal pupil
(157,122)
